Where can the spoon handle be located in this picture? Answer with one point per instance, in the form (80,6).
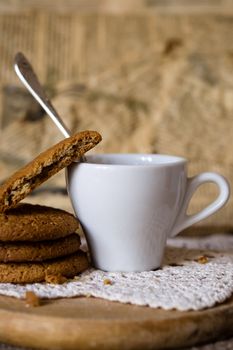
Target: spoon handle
(28,77)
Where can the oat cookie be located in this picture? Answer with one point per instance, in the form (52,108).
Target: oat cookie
(48,163)
(28,222)
(68,266)
(39,251)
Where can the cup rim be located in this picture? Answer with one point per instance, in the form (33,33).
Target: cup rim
(166,160)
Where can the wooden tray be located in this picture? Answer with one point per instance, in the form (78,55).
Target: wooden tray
(88,323)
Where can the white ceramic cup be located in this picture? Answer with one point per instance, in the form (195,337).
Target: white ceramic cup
(129,204)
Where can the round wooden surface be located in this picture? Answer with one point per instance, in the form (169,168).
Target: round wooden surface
(88,323)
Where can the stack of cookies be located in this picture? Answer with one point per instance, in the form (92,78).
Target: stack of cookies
(39,243)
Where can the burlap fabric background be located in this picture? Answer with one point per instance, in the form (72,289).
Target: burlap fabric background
(156,81)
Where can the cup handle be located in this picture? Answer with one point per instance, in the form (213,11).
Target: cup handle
(183,220)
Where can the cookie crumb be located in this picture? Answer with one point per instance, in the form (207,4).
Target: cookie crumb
(107,281)
(76,278)
(55,279)
(31,299)
(202,259)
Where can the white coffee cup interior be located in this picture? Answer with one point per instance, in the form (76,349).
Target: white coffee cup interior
(133,159)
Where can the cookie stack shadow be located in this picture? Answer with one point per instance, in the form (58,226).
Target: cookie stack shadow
(39,243)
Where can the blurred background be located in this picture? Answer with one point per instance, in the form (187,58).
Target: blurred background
(149,75)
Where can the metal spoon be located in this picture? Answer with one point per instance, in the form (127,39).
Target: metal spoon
(28,77)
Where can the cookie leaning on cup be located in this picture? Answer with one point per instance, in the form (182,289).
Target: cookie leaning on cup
(47,164)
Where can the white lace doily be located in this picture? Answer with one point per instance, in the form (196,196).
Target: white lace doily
(194,275)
